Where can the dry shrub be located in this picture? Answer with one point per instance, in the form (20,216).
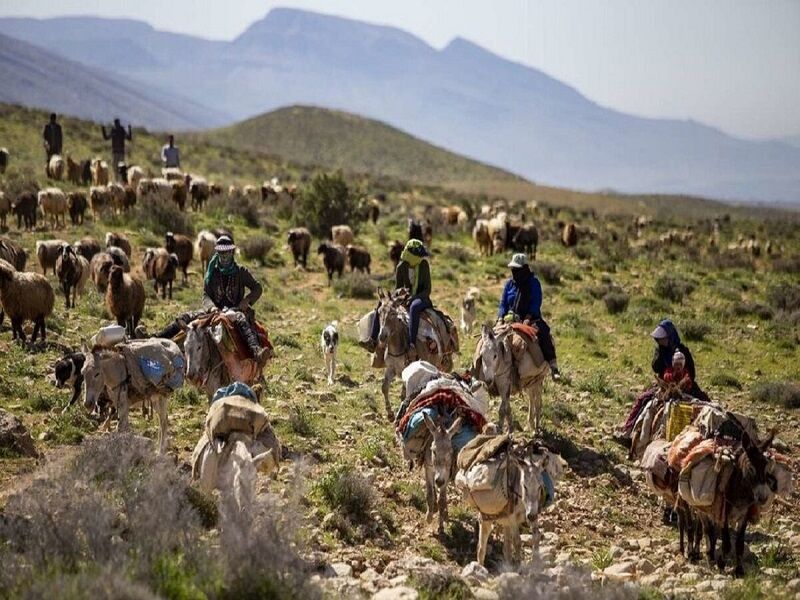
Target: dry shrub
(549,272)
(743,309)
(673,288)
(787,265)
(616,302)
(161,217)
(355,285)
(256,248)
(347,492)
(782,393)
(695,330)
(784,297)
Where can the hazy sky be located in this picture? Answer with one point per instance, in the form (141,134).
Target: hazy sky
(734,64)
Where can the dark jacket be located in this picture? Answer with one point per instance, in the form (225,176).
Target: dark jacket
(52,135)
(402,278)
(662,358)
(223,291)
(118,135)
(509,299)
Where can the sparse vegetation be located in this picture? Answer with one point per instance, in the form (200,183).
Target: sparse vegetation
(256,248)
(325,202)
(673,288)
(549,272)
(781,393)
(616,302)
(344,490)
(354,285)
(695,330)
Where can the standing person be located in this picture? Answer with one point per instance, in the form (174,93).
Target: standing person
(522,302)
(53,140)
(170,156)
(118,135)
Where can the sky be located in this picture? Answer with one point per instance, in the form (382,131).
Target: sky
(732,64)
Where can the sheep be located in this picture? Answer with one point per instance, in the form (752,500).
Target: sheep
(234,192)
(13,253)
(53,203)
(73,171)
(179,194)
(154,191)
(498,230)
(358,258)
(342,235)
(569,235)
(72,271)
(130,197)
(333,257)
(55,167)
(116,197)
(99,268)
(76,204)
(204,244)
(86,172)
(160,266)
(181,246)
(47,252)
(118,240)
(25,209)
(99,200)
(299,241)
(172,174)
(135,175)
(251,193)
(125,298)
(99,170)
(119,257)
(25,296)
(199,192)
(3,159)
(395,250)
(526,239)
(482,237)
(87,247)
(5,208)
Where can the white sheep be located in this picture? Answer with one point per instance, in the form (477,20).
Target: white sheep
(53,203)
(135,175)
(204,244)
(99,170)
(154,191)
(47,253)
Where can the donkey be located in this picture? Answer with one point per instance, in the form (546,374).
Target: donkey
(393,336)
(750,487)
(438,461)
(525,466)
(495,365)
(204,365)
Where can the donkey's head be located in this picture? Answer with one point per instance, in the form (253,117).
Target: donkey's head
(531,466)
(196,349)
(442,449)
(754,465)
(391,326)
(493,354)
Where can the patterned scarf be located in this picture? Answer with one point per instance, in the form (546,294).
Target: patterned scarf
(213,265)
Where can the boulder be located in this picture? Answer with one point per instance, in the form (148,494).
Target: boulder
(397,593)
(475,571)
(14,436)
(621,571)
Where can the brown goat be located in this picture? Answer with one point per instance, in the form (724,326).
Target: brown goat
(333,257)
(161,267)
(183,248)
(125,298)
(72,271)
(25,296)
(179,194)
(87,247)
(300,242)
(76,204)
(13,253)
(118,240)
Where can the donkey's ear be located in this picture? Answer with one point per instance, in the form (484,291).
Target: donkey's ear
(747,443)
(454,428)
(768,442)
(429,422)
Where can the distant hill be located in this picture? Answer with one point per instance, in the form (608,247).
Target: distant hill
(336,139)
(36,77)
(462,98)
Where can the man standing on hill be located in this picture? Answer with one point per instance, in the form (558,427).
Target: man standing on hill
(169,155)
(52,138)
(118,136)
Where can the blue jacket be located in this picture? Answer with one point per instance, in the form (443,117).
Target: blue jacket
(509,297)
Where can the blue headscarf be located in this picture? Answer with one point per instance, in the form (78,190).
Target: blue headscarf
(672,333)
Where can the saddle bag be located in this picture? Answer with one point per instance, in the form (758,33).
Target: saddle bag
(235,413)
(697,484)
(485,485)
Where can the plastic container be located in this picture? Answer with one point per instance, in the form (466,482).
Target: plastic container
(109,335)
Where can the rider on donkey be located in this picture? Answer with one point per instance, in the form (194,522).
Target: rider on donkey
(224,290)
(522,302)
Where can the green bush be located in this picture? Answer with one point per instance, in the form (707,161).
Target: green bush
(784,297)
(695,331)
(355,285)
(673,288)
(616,302)
(549,272)
(301,421)
(161,217)
(326,202)
(344,490)
(782,393)
(725,380)
(743,309)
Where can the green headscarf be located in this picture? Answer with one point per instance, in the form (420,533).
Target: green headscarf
(213,265)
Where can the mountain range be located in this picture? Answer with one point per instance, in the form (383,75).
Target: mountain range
(462,98)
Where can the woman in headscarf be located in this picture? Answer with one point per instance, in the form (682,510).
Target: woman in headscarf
(413,273)
(225,287)
(521,302)
(669,345)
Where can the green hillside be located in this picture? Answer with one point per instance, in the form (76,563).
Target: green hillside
(341,140)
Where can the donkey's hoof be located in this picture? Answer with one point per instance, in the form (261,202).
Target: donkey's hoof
(738,571)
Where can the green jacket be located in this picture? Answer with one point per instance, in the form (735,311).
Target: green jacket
(404,279)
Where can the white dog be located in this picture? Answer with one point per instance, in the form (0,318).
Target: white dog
(330,342)
(469,311)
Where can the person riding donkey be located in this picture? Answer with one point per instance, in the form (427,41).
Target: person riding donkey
(413,273)
(224,290)
(521,301)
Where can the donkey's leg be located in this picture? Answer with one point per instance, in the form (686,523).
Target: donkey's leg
(122,409)
(505,412)
(430,488)
(388,376)
(534,406)
(484,532)
(739,571)
(163,430)
(442,491)
(726,544)
(681,529)
(711,539)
